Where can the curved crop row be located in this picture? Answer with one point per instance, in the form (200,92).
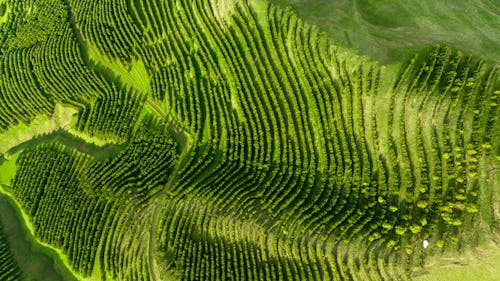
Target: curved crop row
(112,116)
(381,163)
(41,64)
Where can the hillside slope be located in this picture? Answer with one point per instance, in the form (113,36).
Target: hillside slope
(389,30)
(252,146)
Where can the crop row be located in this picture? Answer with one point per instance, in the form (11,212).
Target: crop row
(47,188)
(237,184)
(42,64)
(112,116)
(360,161)
(142,167)
(22,99)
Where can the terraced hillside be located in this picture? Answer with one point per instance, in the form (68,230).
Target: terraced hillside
(249,145)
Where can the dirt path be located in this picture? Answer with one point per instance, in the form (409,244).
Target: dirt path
(157,209)
(161,197)
(181,135)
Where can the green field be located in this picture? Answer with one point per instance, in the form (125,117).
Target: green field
(249,140)
(482,265)
(388,30)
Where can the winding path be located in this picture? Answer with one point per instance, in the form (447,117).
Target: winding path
(161,196)
(180,134)
(157,209)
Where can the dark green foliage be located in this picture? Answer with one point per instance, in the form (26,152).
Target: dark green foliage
(41,64)
(113,116)
(9,270)
(3,9)
(142,168)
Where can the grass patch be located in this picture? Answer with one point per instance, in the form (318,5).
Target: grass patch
(389,31)
(482,265)
(4,11)
(41,125)
(8,168)
(134,75)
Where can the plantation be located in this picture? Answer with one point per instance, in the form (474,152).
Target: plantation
(231,140)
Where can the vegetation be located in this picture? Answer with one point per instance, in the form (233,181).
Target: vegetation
(387,30)
(265,151)
(36,261)
(88,193)
(111,117)
(9,271)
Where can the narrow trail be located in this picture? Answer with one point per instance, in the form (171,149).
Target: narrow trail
(178,132)
(157,209)
(64,137)
(160,197)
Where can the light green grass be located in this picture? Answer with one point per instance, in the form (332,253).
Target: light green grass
(223,9)
(135,76)
(42,124)
(389,31)
(482,265)
(8,168)
(5,16)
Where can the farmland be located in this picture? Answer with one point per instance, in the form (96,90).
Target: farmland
(234,140)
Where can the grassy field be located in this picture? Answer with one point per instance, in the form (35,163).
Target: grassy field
(389,31)
(133,75)
(482,264)
(8,167)
(41,125)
